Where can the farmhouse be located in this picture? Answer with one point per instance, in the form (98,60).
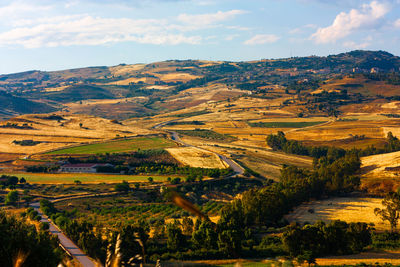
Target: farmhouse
(83,167)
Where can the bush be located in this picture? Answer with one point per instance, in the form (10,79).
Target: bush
(11,198)
(44,226)
(122,187)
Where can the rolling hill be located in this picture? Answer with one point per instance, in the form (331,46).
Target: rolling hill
(172,85)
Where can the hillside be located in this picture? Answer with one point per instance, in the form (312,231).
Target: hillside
(171,85)
(78,92)
(13,105)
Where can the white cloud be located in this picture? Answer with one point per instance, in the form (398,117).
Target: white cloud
(88,30)
(354,45)
(84,29)
(347,23)
(262,39)
(397,23)
(208,19)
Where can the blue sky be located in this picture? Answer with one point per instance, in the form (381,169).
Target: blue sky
(59,34)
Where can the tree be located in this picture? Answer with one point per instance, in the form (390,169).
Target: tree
(204,235)
(22,180)
(187,226)
(122,187)
(391,212)
(44,226)
(175,238)
(11,198)
(22,241)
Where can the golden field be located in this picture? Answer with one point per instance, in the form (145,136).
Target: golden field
(349,209)
(195,157)
(72,130)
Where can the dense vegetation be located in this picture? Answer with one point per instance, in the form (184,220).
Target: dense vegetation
(22,242)
(207,134)
(26,142)
(279,142)
(337,238)
(78,92)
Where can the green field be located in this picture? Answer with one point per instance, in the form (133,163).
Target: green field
(57,178)
(127,145)
(281,124)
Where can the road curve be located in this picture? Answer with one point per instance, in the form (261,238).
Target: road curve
(238,170)
(67,243)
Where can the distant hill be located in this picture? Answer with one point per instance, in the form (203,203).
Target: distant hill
(154,87)
(78,92)
(11,104)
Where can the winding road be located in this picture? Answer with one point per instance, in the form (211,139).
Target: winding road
(238,170)
(65,242)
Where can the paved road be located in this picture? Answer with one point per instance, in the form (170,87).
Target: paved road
(235,167)
(238,170)
(67,243)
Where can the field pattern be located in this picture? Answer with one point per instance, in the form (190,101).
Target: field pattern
(195,157)
(345,209)
(60,178)
(277,124)
(118,146)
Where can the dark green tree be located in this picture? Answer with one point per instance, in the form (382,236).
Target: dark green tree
(11,198)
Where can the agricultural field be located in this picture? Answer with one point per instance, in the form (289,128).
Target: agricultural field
(349,209)
(70,178)
(368,258)
(195,157)
(128,145)
(300,124)
(260,159)
(217,108)
(59,130)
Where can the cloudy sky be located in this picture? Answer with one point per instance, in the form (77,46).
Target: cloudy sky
(60,34)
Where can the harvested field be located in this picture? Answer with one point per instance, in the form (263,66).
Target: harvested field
(5,157)
(338,130)
(348,143)
(195,157)
(376,165)
(368,258)
(59,131)
(266,162)
(178,77)
(69,178)
(349,209)
(127,145)
(281,124)
(121,70)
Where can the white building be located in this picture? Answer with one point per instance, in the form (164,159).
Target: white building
(83,167)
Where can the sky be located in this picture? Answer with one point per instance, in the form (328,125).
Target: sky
(61,34)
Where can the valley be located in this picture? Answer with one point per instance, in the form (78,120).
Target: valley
(264,149)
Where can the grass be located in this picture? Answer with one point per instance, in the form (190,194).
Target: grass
(280,124)
(118,146)
(57,178)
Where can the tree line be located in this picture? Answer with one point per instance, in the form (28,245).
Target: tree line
(281,143)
